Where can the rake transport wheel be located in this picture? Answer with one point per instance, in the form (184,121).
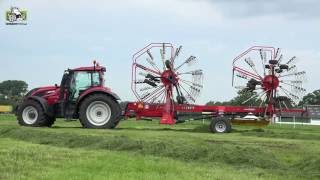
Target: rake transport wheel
(32,114)
(100,112)
(220,125)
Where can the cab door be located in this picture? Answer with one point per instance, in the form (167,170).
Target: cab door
(81,81)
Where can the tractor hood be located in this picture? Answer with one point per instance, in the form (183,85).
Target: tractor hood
(43,91)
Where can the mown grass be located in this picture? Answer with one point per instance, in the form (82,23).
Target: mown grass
(147,150)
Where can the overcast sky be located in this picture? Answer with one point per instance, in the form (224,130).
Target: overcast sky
(64,34)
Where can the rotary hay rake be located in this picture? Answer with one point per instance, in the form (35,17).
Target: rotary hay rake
(276,83)
(157,77)
(168,90)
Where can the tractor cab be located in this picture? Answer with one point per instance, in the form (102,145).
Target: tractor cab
(76,81)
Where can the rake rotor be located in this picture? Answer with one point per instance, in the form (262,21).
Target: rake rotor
(157,77)
(155,70)
(277,83)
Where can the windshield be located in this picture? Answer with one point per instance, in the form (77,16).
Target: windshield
(83,80)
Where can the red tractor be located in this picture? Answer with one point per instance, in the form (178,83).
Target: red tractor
(81,95)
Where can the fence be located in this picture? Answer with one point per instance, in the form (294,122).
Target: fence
(297,120)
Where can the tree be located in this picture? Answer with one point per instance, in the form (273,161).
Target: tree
(12,92)
(13,88)
(311,98)
(245,97)
(218,103)
(240,99)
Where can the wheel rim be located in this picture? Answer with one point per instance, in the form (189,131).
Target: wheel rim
(98,113)
(220,126)
(30,115)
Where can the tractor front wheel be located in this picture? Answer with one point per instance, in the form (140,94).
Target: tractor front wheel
(31,113)
(220,125)
(99,111)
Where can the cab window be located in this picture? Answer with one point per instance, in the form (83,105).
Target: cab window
(82,81)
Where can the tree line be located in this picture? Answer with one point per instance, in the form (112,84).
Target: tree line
(12,92)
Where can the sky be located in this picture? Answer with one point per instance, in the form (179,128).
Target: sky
(67,34)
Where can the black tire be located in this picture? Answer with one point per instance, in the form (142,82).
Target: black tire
(220,125)
(51,121)
(89,122)
(30,119)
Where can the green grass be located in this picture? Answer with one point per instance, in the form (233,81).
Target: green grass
(147,150)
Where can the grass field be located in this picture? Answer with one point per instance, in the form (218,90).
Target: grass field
(147,150)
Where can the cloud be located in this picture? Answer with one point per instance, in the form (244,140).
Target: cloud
(72,33)
(290,9)
(161,11)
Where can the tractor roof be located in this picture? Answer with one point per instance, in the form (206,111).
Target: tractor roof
(91,68)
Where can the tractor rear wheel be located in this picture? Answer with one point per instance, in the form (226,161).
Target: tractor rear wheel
(220,125)
(31,113)
(99,111)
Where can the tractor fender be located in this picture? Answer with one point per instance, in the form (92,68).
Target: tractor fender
(43,102)
(97,90)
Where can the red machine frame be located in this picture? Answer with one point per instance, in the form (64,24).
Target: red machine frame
(169,112)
